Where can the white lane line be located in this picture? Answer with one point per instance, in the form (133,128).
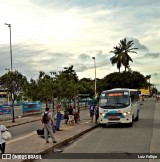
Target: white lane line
(20,138)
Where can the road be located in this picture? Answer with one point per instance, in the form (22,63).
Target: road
(115,139)
(25,129)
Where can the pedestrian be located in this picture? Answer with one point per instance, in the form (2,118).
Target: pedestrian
(96,113)
(71,116)
(92,107)
(59,118)
(2,140)
(70,110)
(66,116)
(75,113)
(47,121)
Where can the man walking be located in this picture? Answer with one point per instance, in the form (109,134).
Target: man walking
(92,107)
(47,121)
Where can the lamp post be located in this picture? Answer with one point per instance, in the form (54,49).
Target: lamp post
(95,74)
(9,25)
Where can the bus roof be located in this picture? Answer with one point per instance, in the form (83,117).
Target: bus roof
(120,89)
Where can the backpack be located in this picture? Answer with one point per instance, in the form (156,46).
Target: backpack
(46,118)
(92,108)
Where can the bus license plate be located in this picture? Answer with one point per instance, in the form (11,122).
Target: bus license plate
(114,118)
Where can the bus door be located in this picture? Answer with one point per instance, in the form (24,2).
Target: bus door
(135,103)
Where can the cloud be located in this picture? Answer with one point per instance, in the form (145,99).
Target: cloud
(30,61)
(156,74)
(152,55)
(138,45)
(84,56)
(50,35)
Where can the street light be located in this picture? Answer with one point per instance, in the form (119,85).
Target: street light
(95,74)
(9,25)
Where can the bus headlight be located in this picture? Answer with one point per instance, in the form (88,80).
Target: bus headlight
(126,113)
(102,114)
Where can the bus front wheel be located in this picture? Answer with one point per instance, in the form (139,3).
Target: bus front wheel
(131,123)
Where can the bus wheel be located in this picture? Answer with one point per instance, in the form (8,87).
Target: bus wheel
(137,118)
(104,125)
(131,123)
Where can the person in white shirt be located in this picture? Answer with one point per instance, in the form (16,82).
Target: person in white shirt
(2,140)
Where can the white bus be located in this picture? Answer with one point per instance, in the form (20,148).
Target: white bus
(119,105)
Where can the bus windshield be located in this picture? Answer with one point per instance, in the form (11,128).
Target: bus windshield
(114,99)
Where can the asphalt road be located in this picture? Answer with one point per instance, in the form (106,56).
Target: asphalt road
(114,139)
(25,129)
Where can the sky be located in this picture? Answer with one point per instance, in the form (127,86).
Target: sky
(48,35)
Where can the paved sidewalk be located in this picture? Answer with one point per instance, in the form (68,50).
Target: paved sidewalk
(35,144)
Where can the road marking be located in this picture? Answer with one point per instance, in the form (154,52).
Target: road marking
(21,137)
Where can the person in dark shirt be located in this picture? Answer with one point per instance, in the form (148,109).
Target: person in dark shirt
(70,110)
(96,113)
(92,107)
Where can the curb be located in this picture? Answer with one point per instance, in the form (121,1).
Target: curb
(64,142)
(16,124)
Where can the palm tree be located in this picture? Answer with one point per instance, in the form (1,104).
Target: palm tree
(116,59)
(121,54)
(126,48)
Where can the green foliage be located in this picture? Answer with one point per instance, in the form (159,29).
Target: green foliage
(125,80)
(65,84)
(13,82)
(121,52)
(31,89)
(45,85)
(86,86)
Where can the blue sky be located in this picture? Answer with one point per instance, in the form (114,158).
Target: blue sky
(49,35)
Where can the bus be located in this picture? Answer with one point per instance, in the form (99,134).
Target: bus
(119,105)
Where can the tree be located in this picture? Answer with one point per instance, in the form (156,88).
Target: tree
(66,82)
(134,80)
(117,58)
(70,73)
(13,82)
(31,90)
(45,85)
(122,54)
(86,86)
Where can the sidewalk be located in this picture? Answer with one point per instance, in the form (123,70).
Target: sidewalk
(35,144)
